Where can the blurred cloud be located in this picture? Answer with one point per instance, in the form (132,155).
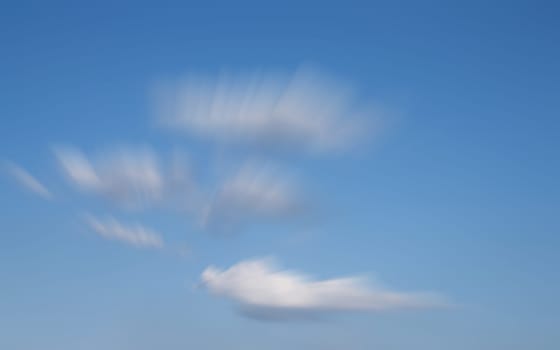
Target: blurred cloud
(130,177)
(139,179)
(255,192)
(305,111)
(132,234)
(264,291)
(28,181)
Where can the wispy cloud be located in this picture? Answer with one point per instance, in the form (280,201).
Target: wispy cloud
(256,192)
(262,290)
(138,179)
(28,181)
(306,111)
(130,177)
(132,234)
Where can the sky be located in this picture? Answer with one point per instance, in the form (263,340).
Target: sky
(306,175)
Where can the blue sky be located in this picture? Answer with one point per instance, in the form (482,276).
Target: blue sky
(443,178)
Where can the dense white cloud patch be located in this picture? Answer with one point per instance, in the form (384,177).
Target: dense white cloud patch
(130,177)
(306,110)
(28,181)
(132,234)
(255,192)
(263,290)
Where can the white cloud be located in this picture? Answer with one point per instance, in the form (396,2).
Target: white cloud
(264,291)
(28,181)
(306,111)
(133,234)
(131,177)
(256,192)
(78,169)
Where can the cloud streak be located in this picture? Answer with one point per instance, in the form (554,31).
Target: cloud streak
(305,111)
(264,291)
(133,178)
(131,234)
(256,192)
(136,179)
(28,181)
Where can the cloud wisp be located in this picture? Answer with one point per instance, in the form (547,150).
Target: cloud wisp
(28,181)
(137,179)
(132,178)
(131,234)
(264,291)
(256,192)
(304,111)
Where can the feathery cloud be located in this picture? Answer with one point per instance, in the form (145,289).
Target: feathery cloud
(132,234)
(256,192)
(133,178)
(262,290)
(28,181)
(305,111)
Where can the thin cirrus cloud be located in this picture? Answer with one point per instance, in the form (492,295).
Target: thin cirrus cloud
(131,234)
(28,181)
(130,177)
(137,179)
(263,291)
(306,111)
(256,192)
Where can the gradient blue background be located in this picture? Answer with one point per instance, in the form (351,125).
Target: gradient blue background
(460,195)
